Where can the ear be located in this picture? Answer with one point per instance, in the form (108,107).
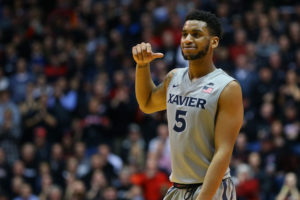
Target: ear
(214,42)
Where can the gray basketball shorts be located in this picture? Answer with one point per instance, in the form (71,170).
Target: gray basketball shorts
(226,191)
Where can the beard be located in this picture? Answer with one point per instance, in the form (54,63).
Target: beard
(199,55)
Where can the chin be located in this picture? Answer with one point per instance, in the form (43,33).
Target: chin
(191,56)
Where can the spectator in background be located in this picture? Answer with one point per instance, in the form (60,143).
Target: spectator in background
(169,48)
(63,102)
(160,68)
(159,148)
(4,81)
(70,168)
(275,63)
(46,184)
(10,59)
(247,187)
(99,163)
(37,61)
(41,87)
(105,151)
(290,91)
(44,179)
(240,45)
(285,48)
(296,64)
(240,152)
(5,173)
(82,158)
(16,184)
(97,186)
(154,182)
(67,143)
(95,124)
(41,144)
(294,30)
(76,191)
(222,12)
(30,164)
(29,105)
(40,115)
(110,193)
(10,124)
(57,164)
(121,109)
(19,81)
(18,169)
(275,21)
(26,193)
(78,65)
(266,44)
(132,149)
(55,68)
(245,74)
(135,193)
(289,189)
(10,135)
(264,88)
(267,181)
(124,185)
(55,193)
(222,59)
(69,187)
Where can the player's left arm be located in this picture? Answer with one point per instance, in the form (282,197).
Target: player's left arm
(228,123)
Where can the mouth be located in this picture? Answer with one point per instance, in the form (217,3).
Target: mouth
(189,48)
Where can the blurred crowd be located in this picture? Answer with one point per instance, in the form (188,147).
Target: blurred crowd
(70,126)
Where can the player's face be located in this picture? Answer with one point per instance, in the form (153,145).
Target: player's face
(195,39)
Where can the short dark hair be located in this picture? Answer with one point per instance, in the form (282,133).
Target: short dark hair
(212,21)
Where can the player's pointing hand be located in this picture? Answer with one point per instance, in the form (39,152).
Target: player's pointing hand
(142,54)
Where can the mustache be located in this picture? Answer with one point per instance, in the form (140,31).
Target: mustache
(189,46)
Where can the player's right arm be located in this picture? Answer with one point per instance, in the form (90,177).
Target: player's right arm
(151,98)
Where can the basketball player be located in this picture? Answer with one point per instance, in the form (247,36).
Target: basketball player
(204,110)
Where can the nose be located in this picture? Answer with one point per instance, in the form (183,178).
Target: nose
(187,39)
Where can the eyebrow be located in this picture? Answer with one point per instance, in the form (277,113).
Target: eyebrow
(193,30)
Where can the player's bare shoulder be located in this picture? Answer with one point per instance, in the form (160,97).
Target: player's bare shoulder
(231,96)
(165,83)
(232,88)
(169,77)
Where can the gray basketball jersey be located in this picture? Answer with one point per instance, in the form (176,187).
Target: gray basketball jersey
(191,112)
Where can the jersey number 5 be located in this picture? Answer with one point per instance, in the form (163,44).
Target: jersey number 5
(180,121)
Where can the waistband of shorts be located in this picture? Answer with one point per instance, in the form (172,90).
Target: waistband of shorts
(185,186)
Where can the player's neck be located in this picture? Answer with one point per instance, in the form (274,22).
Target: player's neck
(201,67)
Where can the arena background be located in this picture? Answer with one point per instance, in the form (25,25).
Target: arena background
(70,126)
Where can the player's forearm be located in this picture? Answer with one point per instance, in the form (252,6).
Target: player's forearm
(214,175)
(143,85)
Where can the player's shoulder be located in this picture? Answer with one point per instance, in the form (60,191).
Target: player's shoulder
(233,85)
(174,71)
(171,75)
(232,89)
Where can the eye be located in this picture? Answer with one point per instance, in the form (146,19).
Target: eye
(196,35)
(184,34)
